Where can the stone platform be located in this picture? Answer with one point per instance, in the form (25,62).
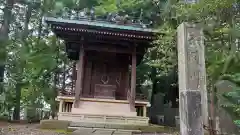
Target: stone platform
(107,119)
(107,111)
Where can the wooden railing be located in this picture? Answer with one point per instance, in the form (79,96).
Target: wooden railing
(66,93)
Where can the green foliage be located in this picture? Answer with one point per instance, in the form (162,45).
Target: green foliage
(34,58)
(237,122)
(106,6)
(233,96)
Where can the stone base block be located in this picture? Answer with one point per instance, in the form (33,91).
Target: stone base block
(104,108)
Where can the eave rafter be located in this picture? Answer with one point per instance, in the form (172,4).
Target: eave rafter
(98,32)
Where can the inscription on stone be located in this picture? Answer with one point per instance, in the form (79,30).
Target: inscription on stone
(191,79)
(193,37)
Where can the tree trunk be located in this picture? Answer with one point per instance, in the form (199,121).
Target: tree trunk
(25,32)
(53,110)
(4,30)
(19,81)
(74,74)
(16,113)
(154,81)
(55,92)
(64,76)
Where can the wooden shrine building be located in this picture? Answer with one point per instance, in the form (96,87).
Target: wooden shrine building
(107,55)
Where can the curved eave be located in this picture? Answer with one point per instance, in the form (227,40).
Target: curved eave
(98,24)
(65,25)
(76,30)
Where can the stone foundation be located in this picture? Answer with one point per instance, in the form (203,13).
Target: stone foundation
(103,108)
(88,118)
(106,111)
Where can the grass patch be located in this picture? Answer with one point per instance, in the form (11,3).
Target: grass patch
(59,131)
(54,124)
(57,126)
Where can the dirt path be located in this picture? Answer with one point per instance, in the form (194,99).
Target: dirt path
(23,129)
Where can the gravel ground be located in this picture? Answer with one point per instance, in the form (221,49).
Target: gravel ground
(31,129)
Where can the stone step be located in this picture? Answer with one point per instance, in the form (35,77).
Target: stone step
(101,131)
(99,125)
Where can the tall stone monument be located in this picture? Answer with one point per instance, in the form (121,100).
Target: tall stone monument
(193,106)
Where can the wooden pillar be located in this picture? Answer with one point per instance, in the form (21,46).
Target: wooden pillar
(79,82)
(191,80)
(127,81)
(74,75)
(60,106)
(133,80)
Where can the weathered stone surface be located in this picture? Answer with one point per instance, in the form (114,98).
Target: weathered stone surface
(191,63)
(192,80)
(190,113)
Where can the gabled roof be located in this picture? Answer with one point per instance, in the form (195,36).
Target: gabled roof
(100,33)
(102,24)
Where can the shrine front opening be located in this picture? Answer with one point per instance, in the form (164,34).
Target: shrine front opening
(106,57)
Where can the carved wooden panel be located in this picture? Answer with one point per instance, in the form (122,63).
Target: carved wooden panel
(105,91)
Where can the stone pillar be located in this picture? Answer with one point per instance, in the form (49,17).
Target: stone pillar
(133,80)
(67,109)
(60,106)
(192,80)
(79,81)
(64,106)
(144,111)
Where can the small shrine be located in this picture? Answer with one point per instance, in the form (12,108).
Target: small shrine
(106,56)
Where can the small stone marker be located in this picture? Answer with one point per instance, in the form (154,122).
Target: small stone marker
(192,80)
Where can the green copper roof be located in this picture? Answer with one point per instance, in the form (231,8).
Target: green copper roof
(98,24)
